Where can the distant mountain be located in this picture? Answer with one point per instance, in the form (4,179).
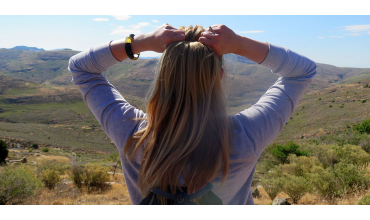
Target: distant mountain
(33,49)
(61,49)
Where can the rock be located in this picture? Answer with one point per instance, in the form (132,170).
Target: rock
(280,201)
(255,192)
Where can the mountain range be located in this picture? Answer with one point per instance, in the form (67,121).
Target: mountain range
(39,103)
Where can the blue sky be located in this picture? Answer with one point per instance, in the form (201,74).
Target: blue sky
(340,40)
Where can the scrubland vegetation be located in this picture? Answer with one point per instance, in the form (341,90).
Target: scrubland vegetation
(48,179)
(330,167)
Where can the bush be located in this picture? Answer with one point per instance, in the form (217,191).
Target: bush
(93,176)
(272,186)
(49,172)
(76,175)
(295,187)
(50,178)
(3,152)
(363,101)
(363,127)
(272,182)
(338,180)
(281,152)
(17,184)
(35,146)
(365,200)
(45,149)
(51,165)
(300,166)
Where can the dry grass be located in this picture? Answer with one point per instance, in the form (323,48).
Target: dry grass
(57,158)
(67,194)
(309,199)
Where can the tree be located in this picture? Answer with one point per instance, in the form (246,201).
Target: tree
(281,152)
(3,152)
(35,146)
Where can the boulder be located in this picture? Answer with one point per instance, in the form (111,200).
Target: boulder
(24,160)
(280,201)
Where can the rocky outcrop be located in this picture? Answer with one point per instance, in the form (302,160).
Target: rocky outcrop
(280,201)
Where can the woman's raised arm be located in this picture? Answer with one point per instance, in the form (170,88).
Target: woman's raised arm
(264,120)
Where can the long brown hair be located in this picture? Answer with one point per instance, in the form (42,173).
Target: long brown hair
(188,130)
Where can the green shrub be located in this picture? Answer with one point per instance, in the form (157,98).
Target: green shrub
(95,176)
(29,150)
(338,180)
(50,178)
(281,152)
(330,106)
(272,186)
(365,200)
(3,152)
(45,149)
(352,154)
(363,101)
(17,184)
(300,166)
(76,174)
(52,165)
(272,182)
(295,187)
(35,146)
(363,127)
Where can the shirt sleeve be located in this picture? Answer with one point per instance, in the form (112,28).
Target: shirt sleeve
(115,115)
(265,120)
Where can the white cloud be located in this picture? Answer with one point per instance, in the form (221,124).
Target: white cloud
(122,17)
(121,30)
(320,37)
(131,29)
(250,32)
(336,36)
(155,21)
(353,34)
(100,19)
(112,24)
(356,28)
(139,25)
(368,32)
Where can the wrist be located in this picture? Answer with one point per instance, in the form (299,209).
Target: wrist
(238,44)
(139,44)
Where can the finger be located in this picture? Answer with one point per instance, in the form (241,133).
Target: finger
(179,37)
(208,34)
(168,27)
(205,41)
(176,32)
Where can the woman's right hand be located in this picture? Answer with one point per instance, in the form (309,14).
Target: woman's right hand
(222,41)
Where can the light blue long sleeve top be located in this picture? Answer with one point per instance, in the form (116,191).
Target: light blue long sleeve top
(254,128)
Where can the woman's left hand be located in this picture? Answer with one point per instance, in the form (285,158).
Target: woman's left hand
(161,37)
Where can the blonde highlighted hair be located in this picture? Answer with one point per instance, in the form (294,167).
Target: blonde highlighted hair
(188,130)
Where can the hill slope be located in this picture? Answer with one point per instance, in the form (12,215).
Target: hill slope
(39,103)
